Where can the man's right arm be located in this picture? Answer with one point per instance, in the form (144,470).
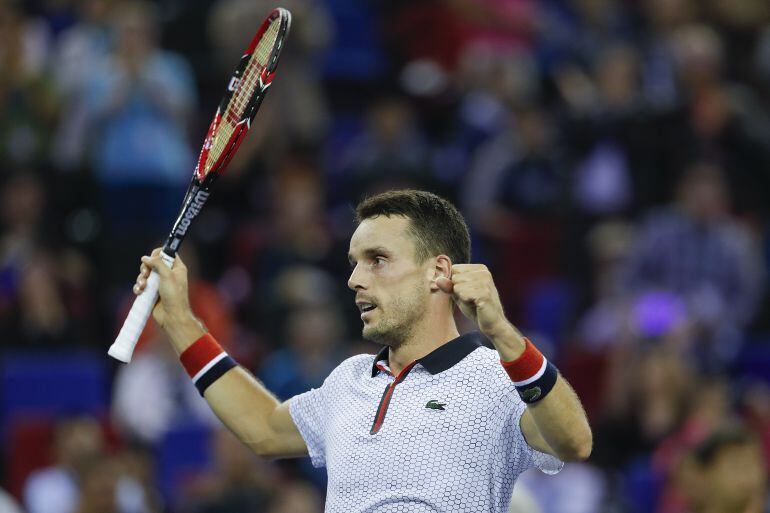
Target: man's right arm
(240,401)
(255,415)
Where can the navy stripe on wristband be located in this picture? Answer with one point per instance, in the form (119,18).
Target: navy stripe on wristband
(213,373)
(533,390)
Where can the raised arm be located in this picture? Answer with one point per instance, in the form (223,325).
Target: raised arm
(554,421)
(241,402)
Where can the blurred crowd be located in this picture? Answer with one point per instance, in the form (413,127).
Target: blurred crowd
(612,158)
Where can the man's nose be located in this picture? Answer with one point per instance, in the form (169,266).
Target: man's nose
(356,281)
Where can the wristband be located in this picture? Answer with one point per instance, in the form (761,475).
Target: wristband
(205,362)
(531,373)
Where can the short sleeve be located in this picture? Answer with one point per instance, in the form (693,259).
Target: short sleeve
(546,463)
(308,413)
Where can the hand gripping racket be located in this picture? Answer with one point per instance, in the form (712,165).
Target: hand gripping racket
(244,94)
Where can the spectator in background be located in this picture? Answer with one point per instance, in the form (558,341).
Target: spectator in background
(517,176)
(697,251)
(726,474)
(43,318)
(238,482)
(21,217)
(98,487)
(309,352)
(391,152)
(83,475)
(663,18)
(45,293)
(646,392)
(297,497)
(296,259)
(136,103)
(513,195)
(741,22)
(28,106)
(603,131)
(706,413)
(576,32)
(81,45)
(718,119)
(491,84)
(606,322)
(78,48)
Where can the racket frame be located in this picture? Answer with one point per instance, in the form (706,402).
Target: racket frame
(199,190)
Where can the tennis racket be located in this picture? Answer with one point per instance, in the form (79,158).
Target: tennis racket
(244,94)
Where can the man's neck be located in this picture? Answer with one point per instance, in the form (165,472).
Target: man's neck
(429,335)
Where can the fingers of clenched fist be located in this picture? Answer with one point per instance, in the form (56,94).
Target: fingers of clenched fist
(472,283)
(473,288)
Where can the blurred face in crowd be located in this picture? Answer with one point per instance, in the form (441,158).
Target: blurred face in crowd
(698,55)
(78,442)
(669,14)
(98,487)
(617,76)
(703,193)
(297,498)
(389,120)
(392,287)
(313,331)
(136,29)
(22,204)
(733,480)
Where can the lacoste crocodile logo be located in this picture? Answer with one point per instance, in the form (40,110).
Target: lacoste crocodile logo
(433,404)
(532,394)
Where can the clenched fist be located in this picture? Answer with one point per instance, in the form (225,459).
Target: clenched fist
(474,291)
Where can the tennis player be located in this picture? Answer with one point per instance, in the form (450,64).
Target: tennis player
(435,421)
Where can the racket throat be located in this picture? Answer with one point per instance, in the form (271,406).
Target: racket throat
(194,201)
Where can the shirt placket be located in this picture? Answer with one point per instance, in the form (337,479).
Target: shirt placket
(387,395)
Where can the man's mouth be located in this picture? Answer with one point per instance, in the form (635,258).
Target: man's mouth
(364,306)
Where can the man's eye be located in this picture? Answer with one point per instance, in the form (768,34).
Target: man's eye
(379,261)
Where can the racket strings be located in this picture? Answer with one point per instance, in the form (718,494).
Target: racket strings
(243,93)
(254,69)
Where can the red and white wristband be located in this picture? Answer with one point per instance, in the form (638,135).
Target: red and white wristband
(533,375)
(205,362)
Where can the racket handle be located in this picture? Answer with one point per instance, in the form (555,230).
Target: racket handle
(123,347)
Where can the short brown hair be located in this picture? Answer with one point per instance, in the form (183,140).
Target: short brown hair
(437,226)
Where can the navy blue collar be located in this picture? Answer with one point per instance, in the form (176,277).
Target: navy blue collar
(443,357)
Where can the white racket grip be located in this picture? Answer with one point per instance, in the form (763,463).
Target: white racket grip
(123,347)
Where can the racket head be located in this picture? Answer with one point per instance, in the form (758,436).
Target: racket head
(244,94)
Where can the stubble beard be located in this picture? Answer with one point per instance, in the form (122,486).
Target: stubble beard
(399,321)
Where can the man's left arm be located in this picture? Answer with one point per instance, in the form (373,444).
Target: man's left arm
(554,423)
(557,423)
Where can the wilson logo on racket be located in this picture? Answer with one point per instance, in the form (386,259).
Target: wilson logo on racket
(193,210)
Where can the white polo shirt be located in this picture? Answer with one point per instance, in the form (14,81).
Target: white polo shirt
(443,435)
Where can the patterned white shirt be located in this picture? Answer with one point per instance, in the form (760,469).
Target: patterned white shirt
(443,435)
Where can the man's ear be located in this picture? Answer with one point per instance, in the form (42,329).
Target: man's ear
(441,269)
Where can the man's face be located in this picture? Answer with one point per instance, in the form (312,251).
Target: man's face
(392,288)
